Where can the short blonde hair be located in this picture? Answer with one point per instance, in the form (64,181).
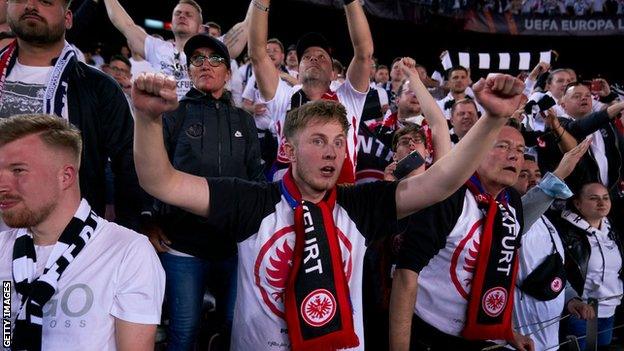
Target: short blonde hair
(54,131)
(321,110)
(196,6)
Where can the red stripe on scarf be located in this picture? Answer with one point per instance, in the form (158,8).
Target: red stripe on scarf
(473,329)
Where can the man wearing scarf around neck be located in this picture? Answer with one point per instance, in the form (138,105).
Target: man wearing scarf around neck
(77,281)
(462,258)
(40,73)
(302,240)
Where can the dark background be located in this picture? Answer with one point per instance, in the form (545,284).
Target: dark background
(590,56)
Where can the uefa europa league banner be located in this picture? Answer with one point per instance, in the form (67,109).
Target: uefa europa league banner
(515,17)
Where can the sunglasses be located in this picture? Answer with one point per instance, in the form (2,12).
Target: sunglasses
(213,60)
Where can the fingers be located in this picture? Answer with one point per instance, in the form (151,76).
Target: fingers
(157,244)
(479,86)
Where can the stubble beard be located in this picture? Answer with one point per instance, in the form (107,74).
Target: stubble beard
(38,34)
(26,218)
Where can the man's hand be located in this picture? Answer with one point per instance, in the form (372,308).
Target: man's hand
(571,158)
(389,172)
(156,236)
(259,109)
(518,115)
(604,90)
(154,94)
(408,66)
(499,94)
(539,69)
(522,342)
(580,309)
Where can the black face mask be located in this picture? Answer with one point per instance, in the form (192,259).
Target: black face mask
(548,279)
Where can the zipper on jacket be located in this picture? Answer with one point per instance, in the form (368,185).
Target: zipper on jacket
(217,106)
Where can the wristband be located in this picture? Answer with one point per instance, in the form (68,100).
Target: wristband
(259,6)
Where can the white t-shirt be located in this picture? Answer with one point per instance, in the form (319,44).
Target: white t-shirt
(449,97)
(24,90)
(529,311)
(265,121)
(116,275)
(351,99)
(165,58)
(139,67)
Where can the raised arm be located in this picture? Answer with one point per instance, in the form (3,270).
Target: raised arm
(267,76)
(429,106)
(124,23)
(236,38)
(154,94)
(581,128)
(500,96)
(362,41)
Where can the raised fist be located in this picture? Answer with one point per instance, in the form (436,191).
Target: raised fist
(499,94)
(154,94)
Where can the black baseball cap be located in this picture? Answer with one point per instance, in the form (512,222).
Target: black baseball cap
(203,40)
(312,39)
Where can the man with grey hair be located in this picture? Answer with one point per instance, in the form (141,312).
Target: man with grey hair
(76,281)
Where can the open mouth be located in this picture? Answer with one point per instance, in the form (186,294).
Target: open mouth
(328,171)
(511,169)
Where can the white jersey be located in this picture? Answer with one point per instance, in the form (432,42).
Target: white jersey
(351,99)
(263,222)
(116,275)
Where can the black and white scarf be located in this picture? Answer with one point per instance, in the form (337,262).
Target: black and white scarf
(55,97)
(34,292)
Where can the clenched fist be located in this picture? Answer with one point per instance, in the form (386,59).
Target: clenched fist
(154,94)
(499,94)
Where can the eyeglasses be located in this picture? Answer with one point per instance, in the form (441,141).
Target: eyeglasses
(407,141)
(119,70)
(213,60)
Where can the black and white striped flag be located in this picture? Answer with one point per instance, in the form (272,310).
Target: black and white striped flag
(508,62)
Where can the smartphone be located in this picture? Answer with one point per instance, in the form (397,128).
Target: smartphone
(407,164)
(546,102)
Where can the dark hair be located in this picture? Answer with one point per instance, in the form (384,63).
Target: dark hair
(577,191)
(455,68)
(465,101)
(513,123)
(321,110)
(410,128)
(528,157)
(276,41)
(214,25)
(382,67)
(122,58)
(337,66)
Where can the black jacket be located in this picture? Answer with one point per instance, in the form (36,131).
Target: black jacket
(587,169)
(210,138)
(577,250)
(98,107)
